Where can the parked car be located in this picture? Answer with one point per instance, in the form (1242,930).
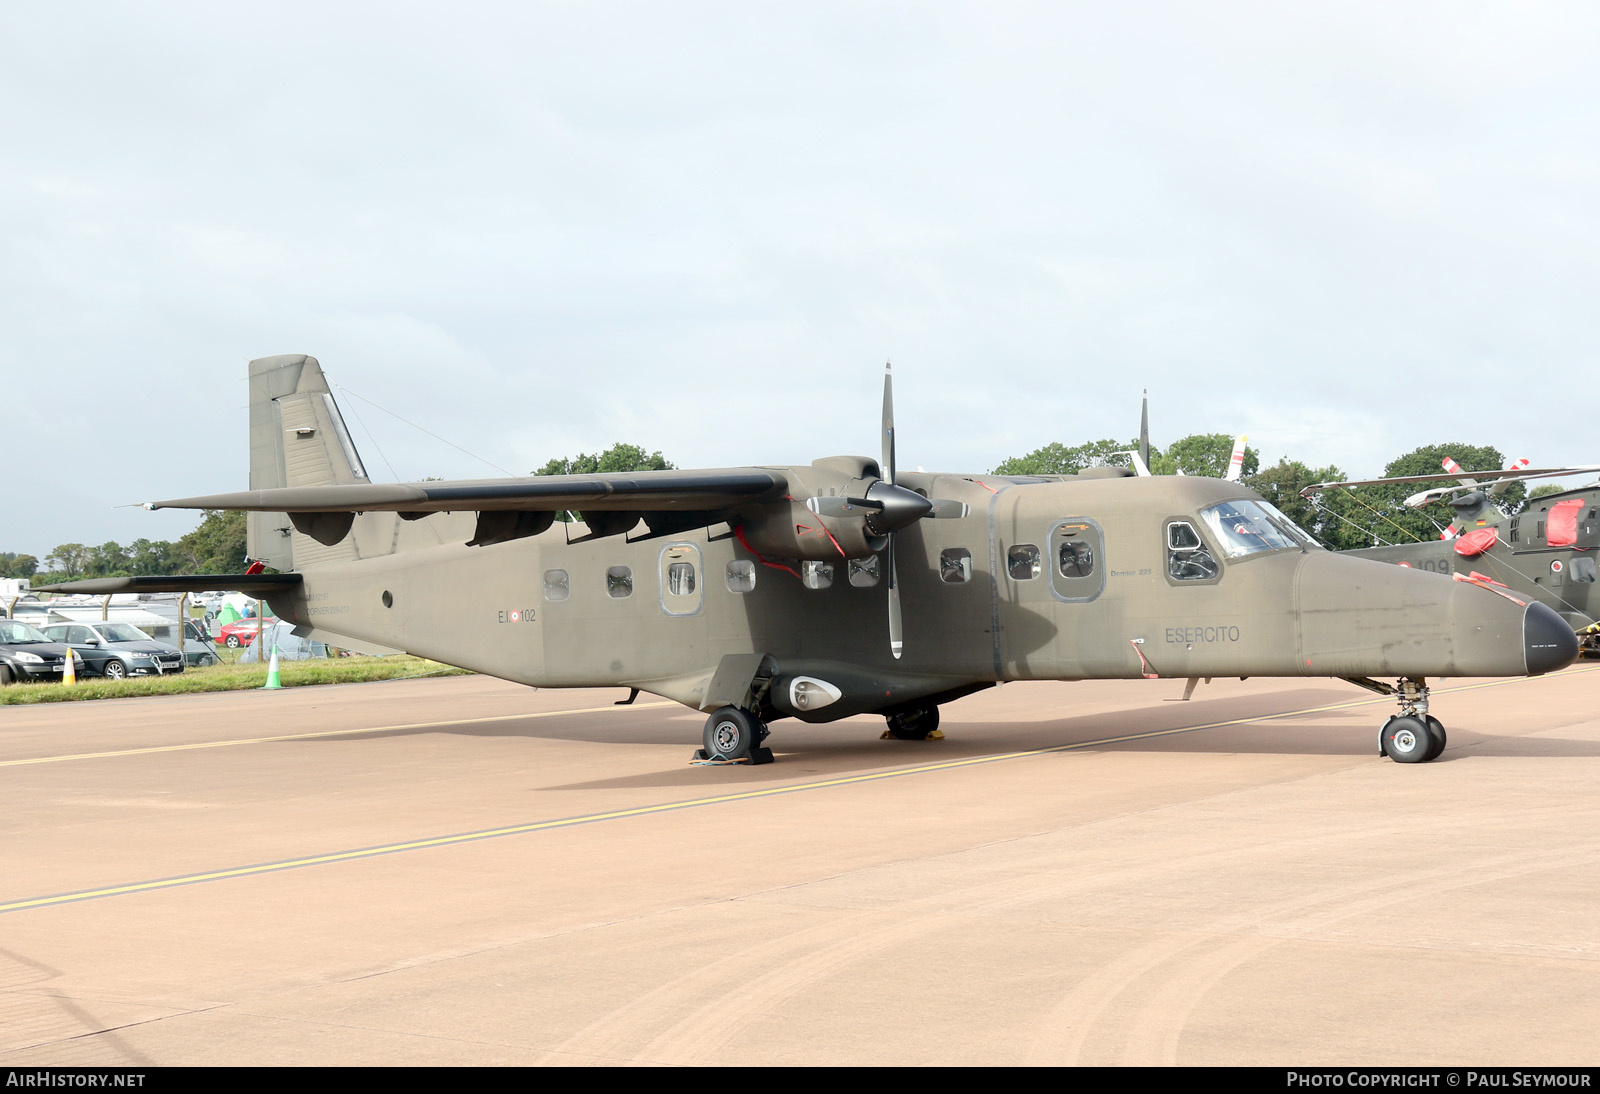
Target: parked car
(117,649)
(27,655)
(243,632)
(198,650)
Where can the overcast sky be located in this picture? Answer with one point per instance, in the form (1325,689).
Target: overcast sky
(539,228)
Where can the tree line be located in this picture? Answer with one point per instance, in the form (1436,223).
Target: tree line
(216,546)
(1341,519)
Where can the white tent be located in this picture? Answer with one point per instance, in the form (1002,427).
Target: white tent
(291,647)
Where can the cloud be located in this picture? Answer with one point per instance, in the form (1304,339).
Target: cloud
(1346,228)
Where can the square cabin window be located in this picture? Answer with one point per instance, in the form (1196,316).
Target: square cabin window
(864,572)
(741,576)
(1024,562)
(619,582)
(556,585)
(955,566)
(816,575)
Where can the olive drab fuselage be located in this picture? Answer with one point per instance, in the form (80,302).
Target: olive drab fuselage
(1041,580)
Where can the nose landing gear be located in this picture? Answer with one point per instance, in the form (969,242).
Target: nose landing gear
(1413,736)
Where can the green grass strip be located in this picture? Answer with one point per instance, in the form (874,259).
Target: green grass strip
(292,674)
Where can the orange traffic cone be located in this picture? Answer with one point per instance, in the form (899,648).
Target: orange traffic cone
(69,673)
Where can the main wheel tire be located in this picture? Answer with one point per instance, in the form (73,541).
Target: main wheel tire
(114,670)
(914,725)
(730,734)
(1407,740)
(205,661)
(1436,729)
(5,676)
(233,642)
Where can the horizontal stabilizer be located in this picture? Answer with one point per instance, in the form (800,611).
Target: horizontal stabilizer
(257,585)
(636,491)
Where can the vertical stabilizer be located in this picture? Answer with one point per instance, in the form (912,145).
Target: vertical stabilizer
(297,438)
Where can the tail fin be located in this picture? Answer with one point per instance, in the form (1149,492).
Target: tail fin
(297,438)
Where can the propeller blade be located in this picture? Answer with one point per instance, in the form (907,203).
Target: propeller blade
(896,628)
(1144,434)
(1236,460)
(1505,484)
(841,507)
(945,509)
(888,425)
(1450,465)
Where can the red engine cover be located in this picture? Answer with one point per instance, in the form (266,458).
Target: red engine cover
(1562,527)
(1474,543)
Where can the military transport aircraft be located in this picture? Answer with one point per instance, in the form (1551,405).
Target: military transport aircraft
(842,587)
(1545,552)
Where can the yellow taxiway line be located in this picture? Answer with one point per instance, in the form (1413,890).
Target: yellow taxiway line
(645,810)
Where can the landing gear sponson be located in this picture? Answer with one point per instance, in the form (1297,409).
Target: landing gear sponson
(733,735)
(1413,736)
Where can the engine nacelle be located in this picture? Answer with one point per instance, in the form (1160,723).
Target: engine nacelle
(836,508)
(787,529)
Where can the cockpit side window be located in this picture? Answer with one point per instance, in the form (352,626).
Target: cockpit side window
(1188,558)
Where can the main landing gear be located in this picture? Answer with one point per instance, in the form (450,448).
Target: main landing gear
(733,735)
(1413,736)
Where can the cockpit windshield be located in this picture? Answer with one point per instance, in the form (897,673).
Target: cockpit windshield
(1247,527)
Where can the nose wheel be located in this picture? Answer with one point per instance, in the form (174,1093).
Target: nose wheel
(1413,736)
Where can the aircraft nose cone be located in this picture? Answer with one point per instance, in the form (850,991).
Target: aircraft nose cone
(1547,642)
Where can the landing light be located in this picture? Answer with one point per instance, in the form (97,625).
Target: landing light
(809,693)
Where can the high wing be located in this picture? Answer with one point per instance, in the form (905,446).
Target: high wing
(514,507)
(638,491)
(1536,473)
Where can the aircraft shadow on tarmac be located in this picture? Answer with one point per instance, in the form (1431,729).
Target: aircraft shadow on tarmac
(31,1013)
(1283,723)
